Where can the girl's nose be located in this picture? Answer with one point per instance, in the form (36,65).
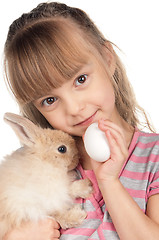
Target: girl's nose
(74,105)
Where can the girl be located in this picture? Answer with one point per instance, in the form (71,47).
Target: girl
(66,75)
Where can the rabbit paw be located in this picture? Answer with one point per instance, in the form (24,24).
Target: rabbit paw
(72,217)
(81,188)
(86,188)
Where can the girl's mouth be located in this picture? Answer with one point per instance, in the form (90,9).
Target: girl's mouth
(87,121)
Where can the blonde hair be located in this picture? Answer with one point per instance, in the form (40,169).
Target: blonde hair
(47,46)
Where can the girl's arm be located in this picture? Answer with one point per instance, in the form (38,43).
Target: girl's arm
(153,208)
(129,220)
(44,229)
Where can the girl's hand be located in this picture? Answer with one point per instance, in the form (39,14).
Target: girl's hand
(42,230)
(110,169)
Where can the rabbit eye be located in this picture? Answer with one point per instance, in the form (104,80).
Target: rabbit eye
(62,149)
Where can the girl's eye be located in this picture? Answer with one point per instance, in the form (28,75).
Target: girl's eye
(81,79)
(49,101)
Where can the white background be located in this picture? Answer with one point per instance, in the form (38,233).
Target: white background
(133,25)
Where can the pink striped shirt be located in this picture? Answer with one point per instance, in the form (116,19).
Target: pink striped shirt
(139,175)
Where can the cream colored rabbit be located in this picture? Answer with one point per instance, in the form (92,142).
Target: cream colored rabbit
(36,181)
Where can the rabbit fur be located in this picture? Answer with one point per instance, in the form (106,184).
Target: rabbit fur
(38,179)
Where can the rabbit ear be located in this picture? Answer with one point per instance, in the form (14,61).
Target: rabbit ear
(24,128)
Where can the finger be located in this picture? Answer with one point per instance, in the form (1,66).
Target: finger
(116,149)
(118,136)
(107,123)
(55,234)
(54,228)
(56,225)
(53,223)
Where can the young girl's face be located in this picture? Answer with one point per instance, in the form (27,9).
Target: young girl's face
(86,98)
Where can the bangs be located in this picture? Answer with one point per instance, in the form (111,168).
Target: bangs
(43,56)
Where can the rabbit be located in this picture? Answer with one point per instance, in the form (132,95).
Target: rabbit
(38,179)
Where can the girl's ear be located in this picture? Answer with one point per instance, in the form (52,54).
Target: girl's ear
(109,56)
(24,128)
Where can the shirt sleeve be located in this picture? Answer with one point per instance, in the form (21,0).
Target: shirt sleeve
(153,187)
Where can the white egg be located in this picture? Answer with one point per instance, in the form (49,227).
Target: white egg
(96,143)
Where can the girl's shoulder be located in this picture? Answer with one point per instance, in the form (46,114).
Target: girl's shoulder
(144,144)
(146,137)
